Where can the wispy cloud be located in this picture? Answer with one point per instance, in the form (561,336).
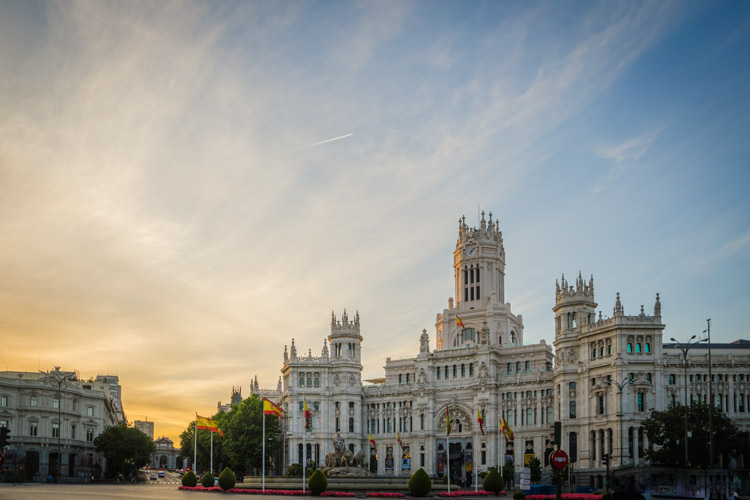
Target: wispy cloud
(625,156)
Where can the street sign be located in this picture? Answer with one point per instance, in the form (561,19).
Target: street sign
(559,459)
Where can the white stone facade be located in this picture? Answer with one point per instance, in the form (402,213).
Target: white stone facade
(483,366)
(54,418)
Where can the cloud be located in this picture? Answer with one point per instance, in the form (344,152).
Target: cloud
(625,156)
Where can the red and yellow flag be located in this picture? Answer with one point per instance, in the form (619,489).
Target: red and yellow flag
(481,421)
(208,424)
(459,323)
(507,431)
(398,438)
(372,442)
(270,408)
(307,416)
(447,422)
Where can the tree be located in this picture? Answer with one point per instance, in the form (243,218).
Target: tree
(245,434)
(666,430)
(241,447)
(535,469)
(126,448)
(187,444)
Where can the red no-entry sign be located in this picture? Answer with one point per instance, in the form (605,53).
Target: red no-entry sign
(559,459)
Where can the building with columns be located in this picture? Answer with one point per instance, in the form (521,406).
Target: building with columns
(601,381)
(54,418)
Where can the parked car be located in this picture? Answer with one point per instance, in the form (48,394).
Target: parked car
(153,476)
(161,473)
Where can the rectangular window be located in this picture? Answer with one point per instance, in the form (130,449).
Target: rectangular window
(55,429)
(33,428)
(34,401)
(438,373)
(316,406)
(89,435)
(640,401)
(407,378)
(56,403)
(90,411)
(630,347)
(648,347)
(463,370)
(72,431)
(400,381)
(471,369)
(446,373)
(4,401)
(455,371)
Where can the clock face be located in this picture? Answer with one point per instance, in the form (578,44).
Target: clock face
(471,251)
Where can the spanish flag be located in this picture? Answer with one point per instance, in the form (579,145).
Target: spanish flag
(307,416)
(208,424)
(507,431)
(270,408)
(447,422)
(372,442)
(398,438)
(481,421)
(459,323)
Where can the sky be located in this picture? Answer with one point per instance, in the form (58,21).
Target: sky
(187,186)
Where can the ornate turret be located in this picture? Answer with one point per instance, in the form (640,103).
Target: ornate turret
(574,305)
(345,338)
(294,351)
(657,307)
(324,352)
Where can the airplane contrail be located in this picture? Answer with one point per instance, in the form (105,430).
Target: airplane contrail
(324,142)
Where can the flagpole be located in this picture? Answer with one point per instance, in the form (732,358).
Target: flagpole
(263,473)
(476,462)
(195,441)
(448,445)
(212,453)
(304,455)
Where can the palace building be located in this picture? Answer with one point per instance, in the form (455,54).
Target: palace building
(601,378)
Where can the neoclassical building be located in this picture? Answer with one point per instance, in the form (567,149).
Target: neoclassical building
(53,418)
(604,376)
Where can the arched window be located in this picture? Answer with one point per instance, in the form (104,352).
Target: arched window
(638,347)
(317,382)
(572,409)
(528,366)
(518,366)
(572,386)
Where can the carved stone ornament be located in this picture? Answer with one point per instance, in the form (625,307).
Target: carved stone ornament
(336,380)
(571,356)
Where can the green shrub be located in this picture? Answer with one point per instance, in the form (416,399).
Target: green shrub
(227,479)
(493,482)
(294,470)
(189,479)
(317,483)
(518,495)
(420,484)
(207,480)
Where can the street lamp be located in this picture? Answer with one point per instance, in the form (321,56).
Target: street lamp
(620,386)
(710,397)
(57,378)
(685,348)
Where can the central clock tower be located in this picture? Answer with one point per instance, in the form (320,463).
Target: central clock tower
(479,287)
(479,264)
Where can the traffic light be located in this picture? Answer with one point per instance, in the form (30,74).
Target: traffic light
(605,459)
(4,436)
